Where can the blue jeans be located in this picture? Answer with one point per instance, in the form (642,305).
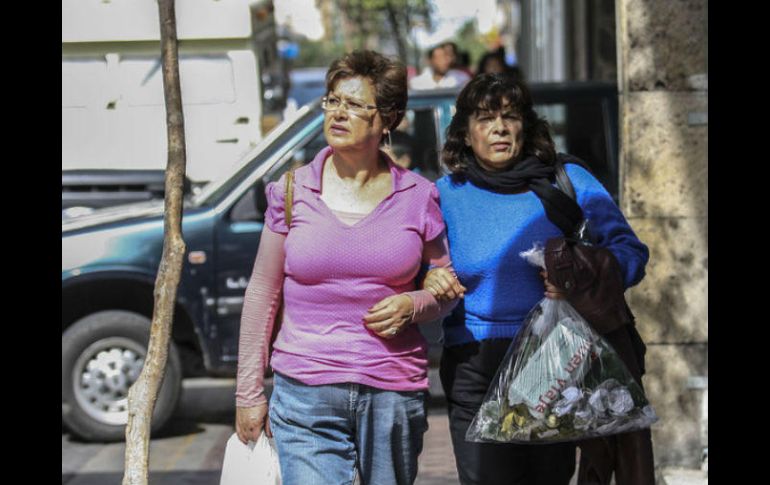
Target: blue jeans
(323,433)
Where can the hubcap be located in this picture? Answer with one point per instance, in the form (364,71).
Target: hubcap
(102,376)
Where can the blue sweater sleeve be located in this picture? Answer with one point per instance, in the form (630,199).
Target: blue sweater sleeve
(609,225)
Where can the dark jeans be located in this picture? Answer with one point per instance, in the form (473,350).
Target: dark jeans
(466,373)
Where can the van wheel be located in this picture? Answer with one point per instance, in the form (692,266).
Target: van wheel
(102,356)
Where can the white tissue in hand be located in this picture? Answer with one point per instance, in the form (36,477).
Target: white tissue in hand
(535,256)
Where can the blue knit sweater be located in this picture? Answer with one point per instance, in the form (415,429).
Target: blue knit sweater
(487,231)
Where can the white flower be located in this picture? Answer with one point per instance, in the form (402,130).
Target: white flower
(598,401)
(620,401)
(570,397)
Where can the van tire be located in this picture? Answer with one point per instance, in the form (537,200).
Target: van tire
(102,354)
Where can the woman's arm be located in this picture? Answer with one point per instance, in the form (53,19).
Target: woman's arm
(609,226)
(613,232)
(428,307)
(260,306)
(391,314)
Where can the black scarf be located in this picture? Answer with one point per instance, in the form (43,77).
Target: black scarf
(534,174)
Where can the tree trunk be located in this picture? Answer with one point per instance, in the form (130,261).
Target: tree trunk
(408,19)
(143,394)
(347,25)
(395,26)
(362,30)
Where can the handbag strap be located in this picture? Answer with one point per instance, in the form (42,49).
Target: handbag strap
(288,203)
(563,181)
(289,197)
(564,184)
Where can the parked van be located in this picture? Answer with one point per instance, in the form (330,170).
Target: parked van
(113,108)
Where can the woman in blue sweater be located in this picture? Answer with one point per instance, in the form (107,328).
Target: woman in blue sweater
(498,200)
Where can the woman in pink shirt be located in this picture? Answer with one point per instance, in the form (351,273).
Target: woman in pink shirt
(350,365)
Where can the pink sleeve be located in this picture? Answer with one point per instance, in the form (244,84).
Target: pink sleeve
(433,221)
(276,208)
(426,307)
(260,306)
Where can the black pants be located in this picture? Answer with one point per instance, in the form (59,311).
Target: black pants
(466,373)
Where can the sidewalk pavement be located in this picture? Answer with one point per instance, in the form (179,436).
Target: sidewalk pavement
(682,476)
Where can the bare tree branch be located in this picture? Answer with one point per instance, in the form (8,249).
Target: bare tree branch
(143,394)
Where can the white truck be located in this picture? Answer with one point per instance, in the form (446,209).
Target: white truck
(113,111)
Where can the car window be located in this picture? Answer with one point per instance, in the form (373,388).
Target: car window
(579,128)
(420,136)
(245,210)
(300,156)
(424,131)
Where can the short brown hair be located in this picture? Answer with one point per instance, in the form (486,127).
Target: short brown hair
(388,76)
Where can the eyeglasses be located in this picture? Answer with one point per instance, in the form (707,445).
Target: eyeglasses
(353,106)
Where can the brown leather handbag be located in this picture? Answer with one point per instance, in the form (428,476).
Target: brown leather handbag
(591,278)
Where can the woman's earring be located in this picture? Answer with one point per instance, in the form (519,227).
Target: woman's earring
(390,142)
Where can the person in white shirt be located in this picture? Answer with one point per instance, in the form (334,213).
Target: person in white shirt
(439,73)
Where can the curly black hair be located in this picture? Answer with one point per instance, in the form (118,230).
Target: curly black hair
(489,92)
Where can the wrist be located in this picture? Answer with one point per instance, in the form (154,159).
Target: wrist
(411,307)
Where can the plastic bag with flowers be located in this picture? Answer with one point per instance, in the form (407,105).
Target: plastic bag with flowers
(559,381)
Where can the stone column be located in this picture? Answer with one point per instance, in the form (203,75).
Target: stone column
(663,83)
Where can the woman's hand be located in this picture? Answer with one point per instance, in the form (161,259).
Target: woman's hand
(249,423)
(390,315)
(443,284)
(551,291)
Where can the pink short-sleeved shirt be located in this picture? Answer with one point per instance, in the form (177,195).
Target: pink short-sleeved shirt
(334,272)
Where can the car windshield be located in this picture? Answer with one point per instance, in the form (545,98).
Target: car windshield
(307,85)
